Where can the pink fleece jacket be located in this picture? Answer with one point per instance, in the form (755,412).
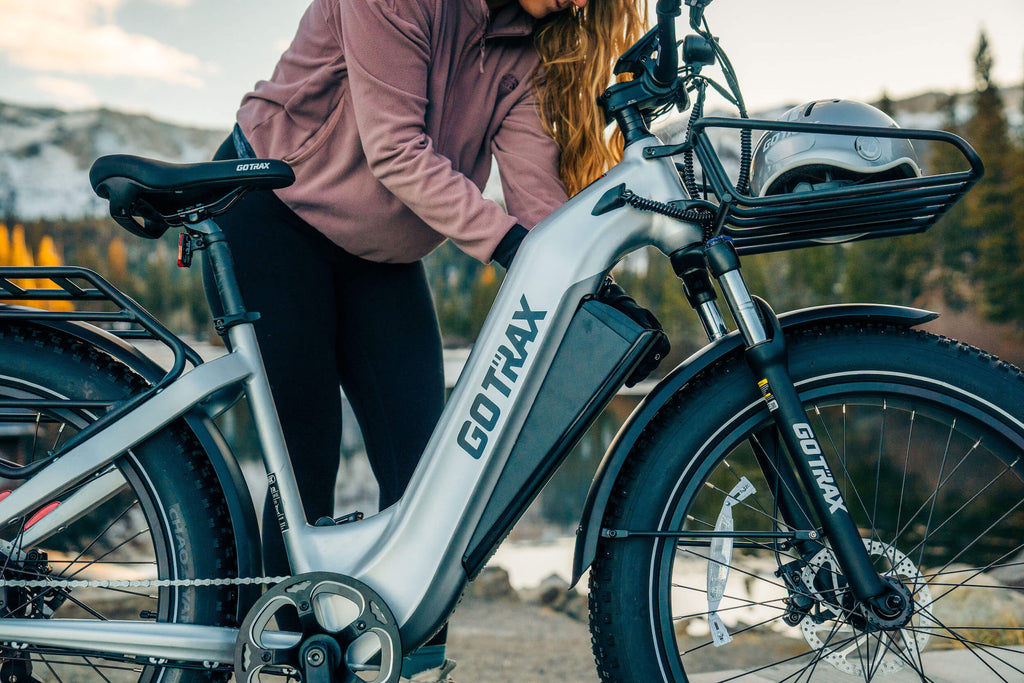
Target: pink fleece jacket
(389,112)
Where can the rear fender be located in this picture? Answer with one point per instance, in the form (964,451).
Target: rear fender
(589,530)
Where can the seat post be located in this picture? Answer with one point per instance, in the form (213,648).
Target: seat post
(222,266)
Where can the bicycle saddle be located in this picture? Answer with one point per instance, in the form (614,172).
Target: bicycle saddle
(166,195)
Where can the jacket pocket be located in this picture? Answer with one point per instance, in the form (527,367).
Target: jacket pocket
(316,140)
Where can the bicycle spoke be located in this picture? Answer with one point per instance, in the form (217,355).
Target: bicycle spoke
(963,641)
(746,603)
(114,549)
(992,565)
(906,466)
(935,495)
(878,471)
(48,666)
(983,534)
(96,669)
(940,483)
(756,497)
(842,460)
(743,504)
(934,632)
(756,442)
(748,628)
(816,656)
(734,568)
(85,607)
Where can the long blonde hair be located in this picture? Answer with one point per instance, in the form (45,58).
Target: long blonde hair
(578,49)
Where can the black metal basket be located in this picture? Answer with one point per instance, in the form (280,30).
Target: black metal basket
(855,212)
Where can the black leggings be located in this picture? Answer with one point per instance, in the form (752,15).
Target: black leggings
(330,318)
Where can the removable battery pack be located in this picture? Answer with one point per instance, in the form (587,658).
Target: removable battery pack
(600,348)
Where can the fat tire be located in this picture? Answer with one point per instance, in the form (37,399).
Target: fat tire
(625,641)
(170,474)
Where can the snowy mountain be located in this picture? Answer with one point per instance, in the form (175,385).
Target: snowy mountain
(45,155)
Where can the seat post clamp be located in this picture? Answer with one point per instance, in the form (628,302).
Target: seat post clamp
(225,323)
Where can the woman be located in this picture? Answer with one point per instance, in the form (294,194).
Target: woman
(389,111)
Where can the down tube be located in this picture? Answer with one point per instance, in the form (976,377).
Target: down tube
(411,554)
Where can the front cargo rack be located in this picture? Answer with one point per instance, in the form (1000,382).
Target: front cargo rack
(95,301)
(855,212)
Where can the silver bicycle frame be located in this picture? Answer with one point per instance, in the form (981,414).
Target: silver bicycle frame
(410,553)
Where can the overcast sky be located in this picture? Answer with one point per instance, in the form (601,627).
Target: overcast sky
(191,60)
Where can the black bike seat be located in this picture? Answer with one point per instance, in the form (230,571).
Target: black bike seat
(166,194)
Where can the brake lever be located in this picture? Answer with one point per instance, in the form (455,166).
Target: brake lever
(634,60)
(697,8)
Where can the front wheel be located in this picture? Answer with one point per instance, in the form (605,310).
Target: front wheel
(923,437)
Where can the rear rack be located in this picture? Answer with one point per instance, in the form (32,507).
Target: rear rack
(128,321)
(105,307)
(857,212)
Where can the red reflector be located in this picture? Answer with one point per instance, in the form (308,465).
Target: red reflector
(42,512)
(4,494)
(184,257)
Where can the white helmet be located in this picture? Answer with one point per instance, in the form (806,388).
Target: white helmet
(801,162)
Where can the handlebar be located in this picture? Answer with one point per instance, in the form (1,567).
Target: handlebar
(654,63)
(665,69)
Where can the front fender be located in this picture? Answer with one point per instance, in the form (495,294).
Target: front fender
(589,530)
(229,474)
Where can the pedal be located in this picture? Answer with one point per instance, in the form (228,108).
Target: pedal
(720,559)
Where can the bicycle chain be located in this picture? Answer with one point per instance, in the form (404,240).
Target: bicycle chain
(141,583)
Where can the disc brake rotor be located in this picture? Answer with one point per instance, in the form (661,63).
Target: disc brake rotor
(840,640)
(329,606)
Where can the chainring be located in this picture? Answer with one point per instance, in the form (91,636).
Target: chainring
(327,604)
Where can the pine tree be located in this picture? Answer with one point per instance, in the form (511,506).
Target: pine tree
(887,105)
(989,220)
(954,251)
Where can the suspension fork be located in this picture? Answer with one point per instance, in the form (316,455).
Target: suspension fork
(766,355)
(692,269)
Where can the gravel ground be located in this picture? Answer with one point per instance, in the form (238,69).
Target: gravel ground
(508,641)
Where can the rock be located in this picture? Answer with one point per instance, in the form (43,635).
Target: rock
(1011,572)
(493,584)
(554,593)
(975,610)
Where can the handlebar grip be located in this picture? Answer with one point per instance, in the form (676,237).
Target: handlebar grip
(665,68)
